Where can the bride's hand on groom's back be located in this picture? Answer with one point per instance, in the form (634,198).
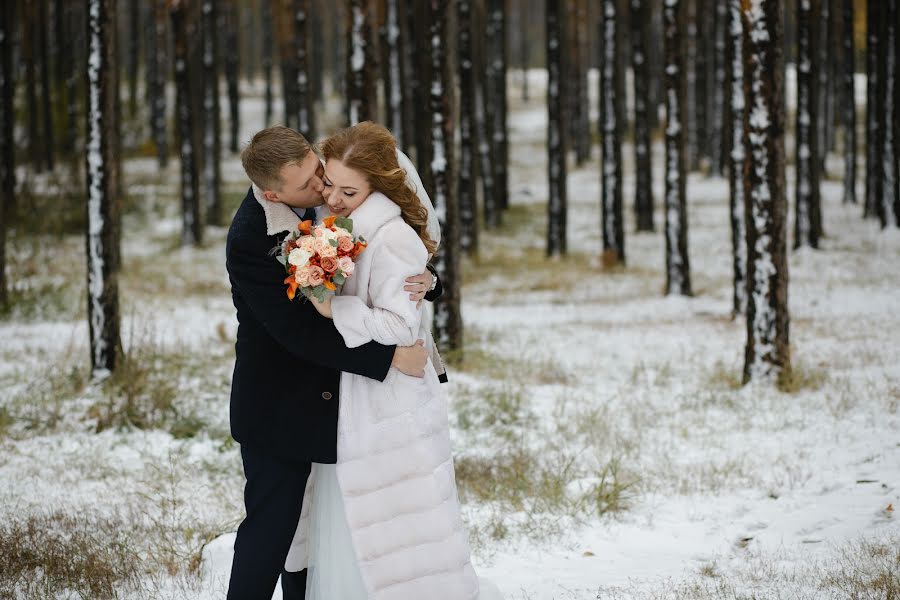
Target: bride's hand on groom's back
(411,360)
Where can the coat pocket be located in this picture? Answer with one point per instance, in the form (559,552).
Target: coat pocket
(400,394)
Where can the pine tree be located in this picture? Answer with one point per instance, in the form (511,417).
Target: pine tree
(394,82)
(611,170)
(468,221)
(483,120)
(887,118)
(157,91)
(808,224)
(737,157)
(103,208)
(232,70)
(556,142)
(212,134)
(643,186)
(874,108)
(496,59)
(7,140)
(305,96)
(447,317)
(268,58)
(360,64)
(848,105)
(767,353)
(134,51)
(192,226)
(689,67)
(46,96)
(717,146)
(678,275)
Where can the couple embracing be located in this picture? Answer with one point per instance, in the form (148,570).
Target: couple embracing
(337,406)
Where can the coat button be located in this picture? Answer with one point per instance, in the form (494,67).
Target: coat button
(326,395)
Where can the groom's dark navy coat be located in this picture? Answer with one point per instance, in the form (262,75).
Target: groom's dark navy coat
(284,394)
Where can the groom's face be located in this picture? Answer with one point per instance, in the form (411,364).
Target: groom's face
(301,184)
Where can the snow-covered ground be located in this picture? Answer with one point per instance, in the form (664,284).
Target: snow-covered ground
(604,447)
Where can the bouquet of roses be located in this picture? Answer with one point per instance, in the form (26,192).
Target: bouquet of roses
(318,258)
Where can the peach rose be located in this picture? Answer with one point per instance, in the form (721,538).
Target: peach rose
(316,276)
(324,248)
(329,264)
(302,276)
(345,244)
(346,265)
(307,243)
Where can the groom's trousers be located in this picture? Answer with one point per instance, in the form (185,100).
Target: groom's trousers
(273,497)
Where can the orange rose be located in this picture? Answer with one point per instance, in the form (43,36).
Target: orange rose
(329,264)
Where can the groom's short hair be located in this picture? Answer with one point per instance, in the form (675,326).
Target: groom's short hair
(269,151)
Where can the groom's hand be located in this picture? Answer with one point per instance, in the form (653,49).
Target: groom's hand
(411,359)
(418,286)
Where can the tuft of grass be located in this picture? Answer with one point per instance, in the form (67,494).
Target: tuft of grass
(55,555)
(501,410)
(40,406)
(475,360)
(802,377)
(724,376)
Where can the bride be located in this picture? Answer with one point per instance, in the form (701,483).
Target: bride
(384,522)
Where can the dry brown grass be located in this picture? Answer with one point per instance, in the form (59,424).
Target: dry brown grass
(46,556)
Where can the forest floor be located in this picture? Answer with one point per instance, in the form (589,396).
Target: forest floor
(604,445)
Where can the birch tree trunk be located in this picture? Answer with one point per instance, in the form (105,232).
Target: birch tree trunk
(483,123)
(103,208)
(689,67)
(737,156)
(157,95)
(887,118)
(807,224)
(232,72)
(360,64)
(134,50)
(497,81)
(268,58)
(874,108)
(46,92)
(212,129)
(767,352)
(29,61)
(394,82)
(678,275)
(448,324)
(611,170)
(643,187)
(825,95)
(305,96)
(580,118)
(192,226)
(73,75)
(556,142)
(848,105)
(7,140)
(468,214)
(717,138)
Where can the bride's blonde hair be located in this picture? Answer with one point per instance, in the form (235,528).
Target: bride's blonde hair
(371,150)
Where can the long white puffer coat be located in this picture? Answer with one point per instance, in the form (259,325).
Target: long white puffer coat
(394,468)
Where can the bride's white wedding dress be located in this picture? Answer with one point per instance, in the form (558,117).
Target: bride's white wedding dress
(384,522)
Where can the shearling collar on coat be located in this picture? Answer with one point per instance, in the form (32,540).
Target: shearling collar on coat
(279,217)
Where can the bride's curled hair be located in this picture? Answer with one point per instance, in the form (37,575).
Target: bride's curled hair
(371,150)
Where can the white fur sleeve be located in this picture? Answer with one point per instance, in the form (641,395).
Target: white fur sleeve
(393,318)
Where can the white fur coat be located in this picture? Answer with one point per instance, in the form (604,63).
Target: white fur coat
(395,467)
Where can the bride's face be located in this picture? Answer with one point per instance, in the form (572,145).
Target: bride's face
(345,188)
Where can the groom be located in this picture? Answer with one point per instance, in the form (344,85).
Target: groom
(284,393)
